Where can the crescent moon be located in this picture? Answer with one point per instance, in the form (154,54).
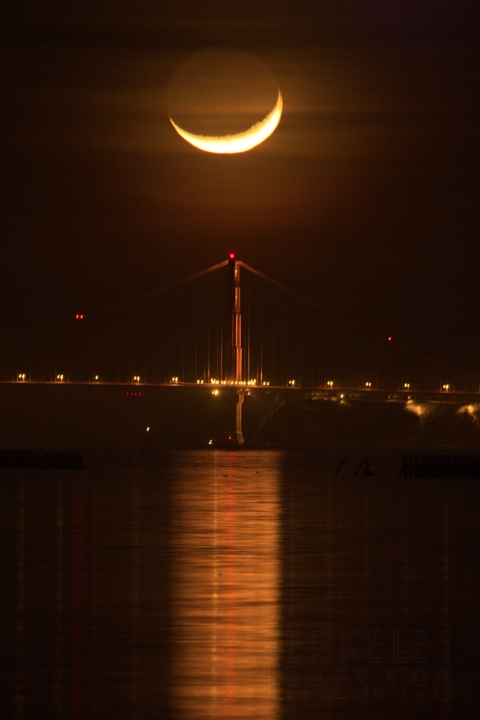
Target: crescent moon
(240,142)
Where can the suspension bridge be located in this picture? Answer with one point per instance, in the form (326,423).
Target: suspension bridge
(228,324)
(230,329)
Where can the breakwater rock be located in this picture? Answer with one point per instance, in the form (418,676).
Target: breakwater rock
(48,459)
(450,465)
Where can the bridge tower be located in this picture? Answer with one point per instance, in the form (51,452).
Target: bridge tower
(233,360)
(233,364)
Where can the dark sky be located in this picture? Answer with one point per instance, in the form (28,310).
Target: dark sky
(365,199)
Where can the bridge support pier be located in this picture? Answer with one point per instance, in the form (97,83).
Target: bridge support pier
(238,417)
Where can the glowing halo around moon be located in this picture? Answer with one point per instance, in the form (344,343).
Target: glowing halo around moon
(238,142)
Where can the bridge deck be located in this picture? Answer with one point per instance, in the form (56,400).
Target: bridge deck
(314,393)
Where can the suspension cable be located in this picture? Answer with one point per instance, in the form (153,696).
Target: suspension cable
(279,285)
(118,306)
(439,363)
(165,288)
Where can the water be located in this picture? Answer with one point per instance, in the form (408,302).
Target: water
(237,586)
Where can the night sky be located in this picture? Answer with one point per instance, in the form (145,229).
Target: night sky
(365,199)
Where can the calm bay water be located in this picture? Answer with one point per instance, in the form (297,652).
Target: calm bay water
(239,585)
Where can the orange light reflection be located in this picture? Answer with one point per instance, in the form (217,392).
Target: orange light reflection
(226,590)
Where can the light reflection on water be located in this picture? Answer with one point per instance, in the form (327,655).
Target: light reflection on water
(225,588)
(236,585)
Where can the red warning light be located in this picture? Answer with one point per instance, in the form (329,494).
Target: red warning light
(79,316)
(389,338)
(231,256)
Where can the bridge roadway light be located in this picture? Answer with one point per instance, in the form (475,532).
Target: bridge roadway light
(446,387)
(22,377)
(368,384)
(59,378)
(330,384)
(406,386)
(291,383)
(136,378)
